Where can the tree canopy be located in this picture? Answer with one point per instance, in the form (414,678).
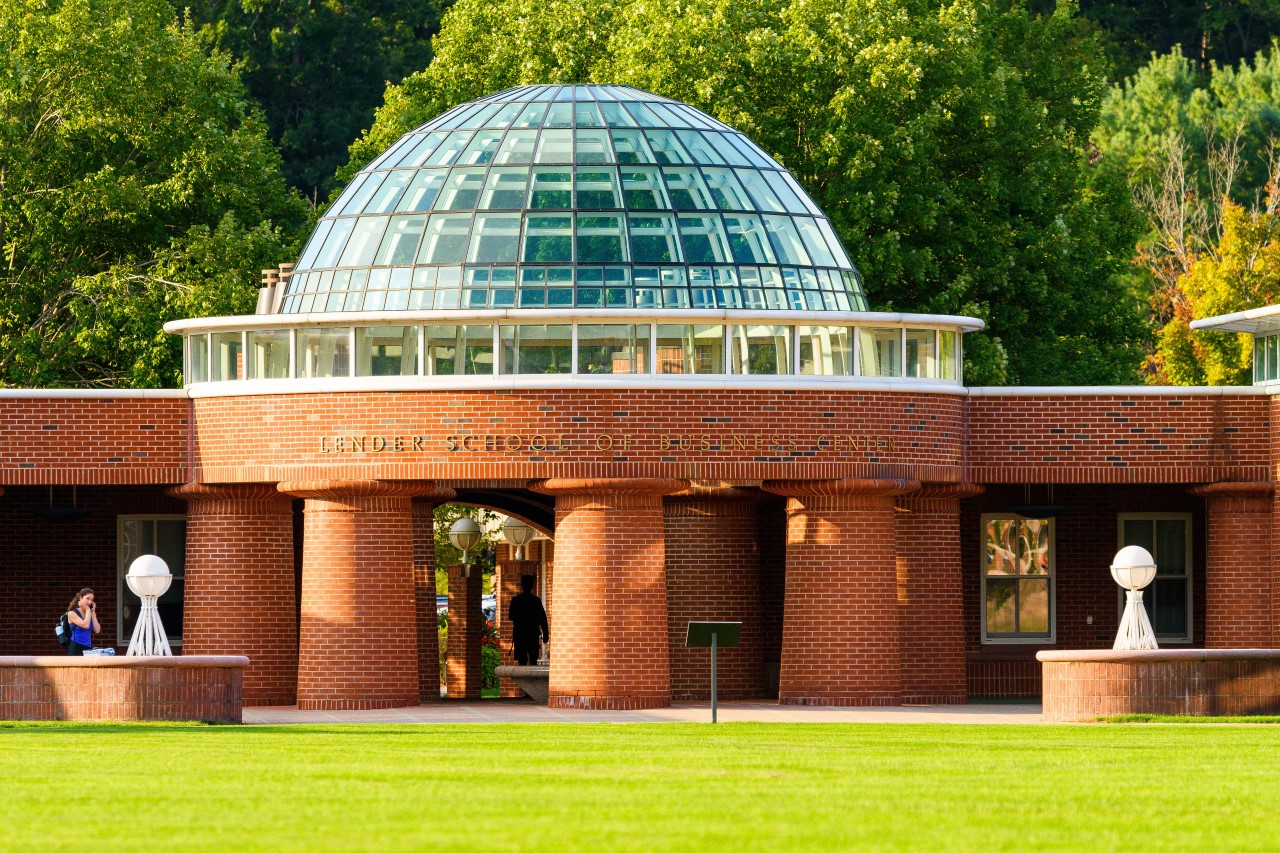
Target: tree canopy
(1242,271)
(1222,32)
(317,69)
(946,142)
(1193,145)
(137,185)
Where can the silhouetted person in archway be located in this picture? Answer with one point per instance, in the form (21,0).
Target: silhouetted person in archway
(528,618)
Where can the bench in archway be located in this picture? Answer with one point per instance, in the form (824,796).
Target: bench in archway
(533,680)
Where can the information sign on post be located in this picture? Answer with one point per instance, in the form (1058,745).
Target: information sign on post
(713,635)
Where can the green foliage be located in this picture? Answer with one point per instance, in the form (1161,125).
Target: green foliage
(136,186)
(1170,98)
(1242,272)
(490,658)
(947,143)
(318,69)
(484,555)
(1224,32)
(1190,143)
(485,46)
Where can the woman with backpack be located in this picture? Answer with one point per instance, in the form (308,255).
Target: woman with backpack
(83,616)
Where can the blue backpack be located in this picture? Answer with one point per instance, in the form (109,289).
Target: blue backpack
(63,631)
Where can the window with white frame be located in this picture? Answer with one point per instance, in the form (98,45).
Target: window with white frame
(166,537)
(1167,535)
(1017,579)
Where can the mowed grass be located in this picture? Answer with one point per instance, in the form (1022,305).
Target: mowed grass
(640,787)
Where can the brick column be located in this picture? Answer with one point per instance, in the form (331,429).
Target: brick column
(609,646)
(424,592)
(506,583)
(466,627)
(713,575)
(239,592)
(840,636)
(931,594)
(358,641)
(1240,577)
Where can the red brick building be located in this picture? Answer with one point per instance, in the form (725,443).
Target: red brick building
(614,318)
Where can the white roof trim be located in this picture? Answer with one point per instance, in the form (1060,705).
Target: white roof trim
(703,382)
(89,393)
(1255,321)
(1118,391)
(582,315)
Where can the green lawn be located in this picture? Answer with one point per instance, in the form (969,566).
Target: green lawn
(652,786)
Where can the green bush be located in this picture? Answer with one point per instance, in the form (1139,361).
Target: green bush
(489,658)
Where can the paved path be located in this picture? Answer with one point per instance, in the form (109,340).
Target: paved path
(523,711)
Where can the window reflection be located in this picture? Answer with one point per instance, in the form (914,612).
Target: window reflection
(690,349)
(613,349)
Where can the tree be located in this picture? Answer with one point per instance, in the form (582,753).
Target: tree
(947,143)
(1242,271)
(136,186)
(318,68)
(1190,144)
(1224,31)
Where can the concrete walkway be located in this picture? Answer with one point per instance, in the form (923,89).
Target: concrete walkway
(524,711)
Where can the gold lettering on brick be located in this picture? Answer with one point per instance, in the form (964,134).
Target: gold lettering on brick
(691,443)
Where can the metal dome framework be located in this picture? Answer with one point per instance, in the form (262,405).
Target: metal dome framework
(573,196)
(554,236)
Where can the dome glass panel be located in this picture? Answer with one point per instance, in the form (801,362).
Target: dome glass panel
(573,197)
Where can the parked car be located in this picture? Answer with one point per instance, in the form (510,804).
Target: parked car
(489,604)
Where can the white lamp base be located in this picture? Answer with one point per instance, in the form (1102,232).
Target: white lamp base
(148,635)
(1135,632)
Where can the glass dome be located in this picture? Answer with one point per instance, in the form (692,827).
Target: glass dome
(573,197)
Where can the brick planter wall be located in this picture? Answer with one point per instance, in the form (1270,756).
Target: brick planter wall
(1194,682)
(196,687)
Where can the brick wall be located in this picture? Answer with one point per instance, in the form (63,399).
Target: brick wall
(357,645)
(841,642)
(713,575)
(1118,439)
(1085,686)
(129,439)
(424,590)
(930,594)
(466,626)
(582,433)
(1238,593)
(44,563)
(239,589)
(609,636)
(122,689)
(1086,540)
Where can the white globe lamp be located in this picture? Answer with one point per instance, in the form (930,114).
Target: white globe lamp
(149,578)
(518,534)
(465,534)
(1134,568)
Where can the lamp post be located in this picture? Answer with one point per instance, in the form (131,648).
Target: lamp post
(518,534)
(1134,568)
(464,534)
(149,578)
